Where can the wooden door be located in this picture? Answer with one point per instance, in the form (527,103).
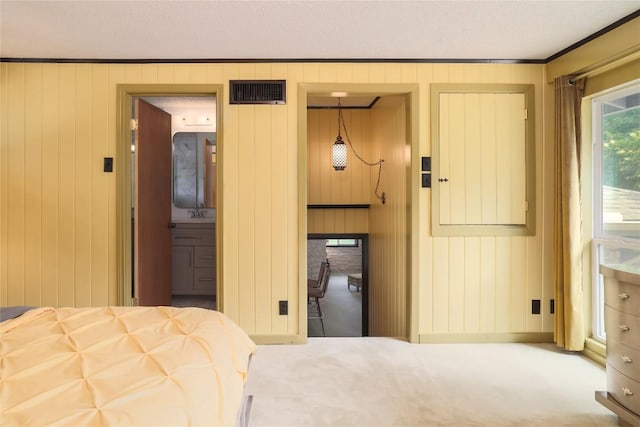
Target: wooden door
(483,159)
(152,252)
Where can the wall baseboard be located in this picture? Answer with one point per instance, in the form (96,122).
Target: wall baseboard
(279,339)
(523,337)
(595,351)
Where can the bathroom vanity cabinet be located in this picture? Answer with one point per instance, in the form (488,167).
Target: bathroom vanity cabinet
(193,255)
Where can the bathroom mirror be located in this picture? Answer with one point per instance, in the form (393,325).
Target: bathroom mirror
(194,169)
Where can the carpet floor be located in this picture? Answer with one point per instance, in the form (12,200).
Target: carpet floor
(388,382)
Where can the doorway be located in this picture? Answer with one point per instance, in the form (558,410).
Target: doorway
(169,250)
(339,204)
(345,306)
(191,265)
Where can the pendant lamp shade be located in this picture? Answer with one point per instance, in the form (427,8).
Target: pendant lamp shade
(339,154)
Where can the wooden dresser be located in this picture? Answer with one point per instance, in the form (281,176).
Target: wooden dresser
(622,326)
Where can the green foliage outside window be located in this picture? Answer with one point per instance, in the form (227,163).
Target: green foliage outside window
(621,149)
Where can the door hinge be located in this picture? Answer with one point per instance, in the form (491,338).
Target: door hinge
(525,114)
(134,124)
(526,206)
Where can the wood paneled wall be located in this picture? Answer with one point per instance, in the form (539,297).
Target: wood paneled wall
(329,187)
(58,208)
(479,286)
(389,237)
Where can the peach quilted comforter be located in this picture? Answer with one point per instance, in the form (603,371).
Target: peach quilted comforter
(126,366)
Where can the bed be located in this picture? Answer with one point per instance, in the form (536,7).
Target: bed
(134,366)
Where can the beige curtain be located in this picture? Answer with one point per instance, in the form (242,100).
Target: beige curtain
(567,236)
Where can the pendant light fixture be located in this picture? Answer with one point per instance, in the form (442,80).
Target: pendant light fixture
(339,154)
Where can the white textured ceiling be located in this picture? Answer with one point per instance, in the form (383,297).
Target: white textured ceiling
(311,29)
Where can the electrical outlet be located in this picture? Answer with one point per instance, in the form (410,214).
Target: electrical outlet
(552,306)
(108,164)
(283,306)
(535,306)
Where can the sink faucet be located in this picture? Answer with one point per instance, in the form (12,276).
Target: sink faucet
(198,211)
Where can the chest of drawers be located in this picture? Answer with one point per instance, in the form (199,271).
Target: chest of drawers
(622,326)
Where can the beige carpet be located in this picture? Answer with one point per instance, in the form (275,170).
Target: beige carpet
(387,382)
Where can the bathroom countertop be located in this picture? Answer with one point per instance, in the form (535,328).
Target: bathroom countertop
(194,221)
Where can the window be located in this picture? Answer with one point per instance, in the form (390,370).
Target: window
(616,184)
(342,243)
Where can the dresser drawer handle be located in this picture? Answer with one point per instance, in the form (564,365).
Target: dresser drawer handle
(206,257)
(626,359)
(623,295)
(623,328)
(205,279)
(626,391)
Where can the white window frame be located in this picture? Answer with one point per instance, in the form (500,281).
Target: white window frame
(599,238)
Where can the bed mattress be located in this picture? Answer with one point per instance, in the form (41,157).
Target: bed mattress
(134,366)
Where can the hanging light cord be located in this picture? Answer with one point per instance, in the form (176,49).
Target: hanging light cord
(379,163)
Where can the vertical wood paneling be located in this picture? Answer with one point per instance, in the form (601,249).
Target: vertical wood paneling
(149,73)
(388,279)
(503,284)
(262,219)
(82,192)
(279,263)
(445,159)
(133,73)
(457,165)
(503,161)
(472,284)
(181,73)
(327,186)
(376,73)
(166,73)
(488,159)
(58,243)
(487,284)
(100,236)
(472,167)
(456,284)
(197,73)
(518,179)
(16,191)
(246,213)
(50,185)
(33,185)
(314,175)
(477,176)
(67,185)
(4,181)
(518,284)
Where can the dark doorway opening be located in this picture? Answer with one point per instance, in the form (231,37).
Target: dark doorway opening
(333,243)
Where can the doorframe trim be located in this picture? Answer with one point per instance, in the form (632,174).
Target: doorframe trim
(124,97)
(414,225)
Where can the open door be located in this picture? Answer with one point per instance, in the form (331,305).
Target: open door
(152,208)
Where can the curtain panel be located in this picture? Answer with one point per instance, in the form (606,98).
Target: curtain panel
(569,330)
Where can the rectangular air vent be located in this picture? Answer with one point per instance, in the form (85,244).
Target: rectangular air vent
(258,92)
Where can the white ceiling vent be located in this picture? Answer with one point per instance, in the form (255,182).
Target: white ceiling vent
(258,92)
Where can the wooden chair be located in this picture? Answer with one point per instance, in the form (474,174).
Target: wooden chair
(315,294)
(317,282)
